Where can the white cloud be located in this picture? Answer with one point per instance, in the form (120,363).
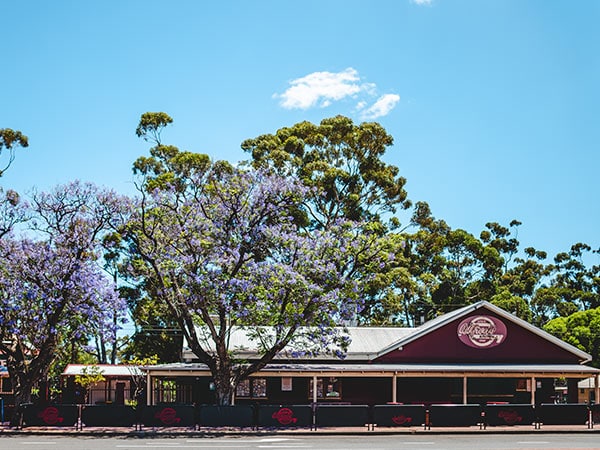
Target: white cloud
(361,105)
(381,107)
(322,89)
(422,2)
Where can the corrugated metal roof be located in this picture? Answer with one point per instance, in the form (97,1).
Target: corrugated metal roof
(368,343)
(108,370)
(401,369)
(365,342)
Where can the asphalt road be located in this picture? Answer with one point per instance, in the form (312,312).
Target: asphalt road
(349,442)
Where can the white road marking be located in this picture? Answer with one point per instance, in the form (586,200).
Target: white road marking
(533,442)
(418,443)
(183,446)
(38,443)
(285,446)
(250,441)
(164,443)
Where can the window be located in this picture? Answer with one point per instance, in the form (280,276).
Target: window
(166,391)
(252,388)
(5,385)
(286,384)
(243,389)
(524,385)
(329,388)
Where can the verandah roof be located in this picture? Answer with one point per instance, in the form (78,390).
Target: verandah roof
(388,370)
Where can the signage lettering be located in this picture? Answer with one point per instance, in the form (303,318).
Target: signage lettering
(481,332)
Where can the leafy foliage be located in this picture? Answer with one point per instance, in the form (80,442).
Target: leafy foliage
(221,246)
(580,329)
(10,140)
(89,378)
(341,161)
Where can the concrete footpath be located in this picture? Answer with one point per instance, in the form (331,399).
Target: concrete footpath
(148,432)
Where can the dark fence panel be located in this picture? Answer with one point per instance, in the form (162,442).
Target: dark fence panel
(169,416)
(226,416)
(9,410)
(108,416)
(342,415)
(50,415)
(595,408)
(516,414)
(285,416)
(454,415)
(398,415)
(563,414)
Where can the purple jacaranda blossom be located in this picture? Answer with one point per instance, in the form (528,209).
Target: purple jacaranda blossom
(53,289)
(225,250)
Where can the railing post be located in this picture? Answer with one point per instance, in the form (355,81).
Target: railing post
(79,423)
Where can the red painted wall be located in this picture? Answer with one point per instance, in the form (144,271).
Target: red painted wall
(443,345)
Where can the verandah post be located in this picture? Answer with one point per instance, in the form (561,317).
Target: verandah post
(148,389)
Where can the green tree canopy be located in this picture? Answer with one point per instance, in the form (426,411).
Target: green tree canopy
(343,161)
(580,329)
(10,140)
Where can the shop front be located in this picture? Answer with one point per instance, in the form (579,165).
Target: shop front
(479,354)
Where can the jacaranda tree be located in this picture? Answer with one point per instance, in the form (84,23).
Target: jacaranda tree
(52,286)
(222,247)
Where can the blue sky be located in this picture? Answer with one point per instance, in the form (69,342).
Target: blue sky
(493,105)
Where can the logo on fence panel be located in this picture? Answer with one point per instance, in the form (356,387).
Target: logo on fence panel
(401,419)
(50,416)
(481,332)
(510,416)
(285,416)
(168,416)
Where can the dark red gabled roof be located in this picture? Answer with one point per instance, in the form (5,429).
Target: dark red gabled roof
(480,333)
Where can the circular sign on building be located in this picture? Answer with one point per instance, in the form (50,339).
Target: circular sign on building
(481,331)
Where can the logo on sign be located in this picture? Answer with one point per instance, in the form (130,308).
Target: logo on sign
(168,416)
(50,416)
(401,420)
(285,416)
(510,417)
(481,332)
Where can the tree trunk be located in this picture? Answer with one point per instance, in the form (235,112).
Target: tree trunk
(22,387)
(224,388)
(25,372)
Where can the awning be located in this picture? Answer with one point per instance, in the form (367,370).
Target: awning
(388,370)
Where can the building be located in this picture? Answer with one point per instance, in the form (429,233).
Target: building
(587,390)
(118,386)
(6,391)
(477,354)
